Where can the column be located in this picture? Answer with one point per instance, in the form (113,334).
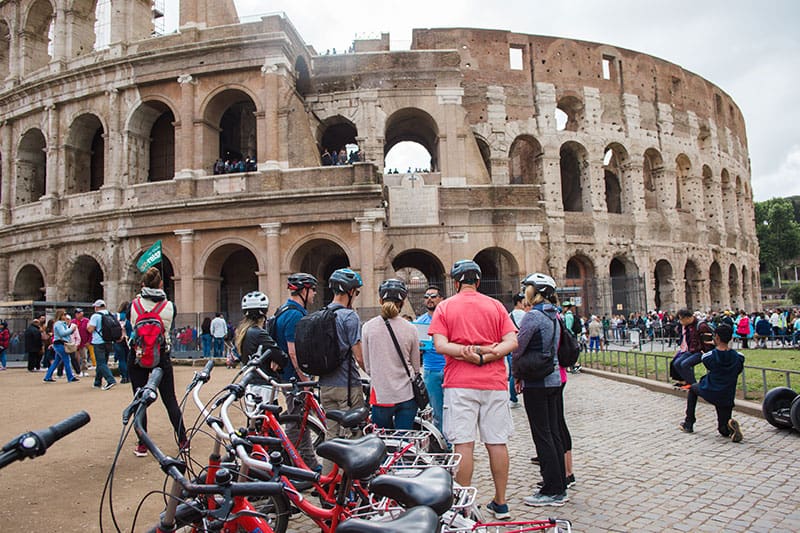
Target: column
(54,169)
(272,230)
(185,156)
(4,277)
(185,280)
(112,188)
(267,125)
(6,171)
(59,40)
(367,261)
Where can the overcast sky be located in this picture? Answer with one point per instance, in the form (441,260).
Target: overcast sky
(750,49)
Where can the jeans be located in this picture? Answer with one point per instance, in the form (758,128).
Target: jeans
(205,340)
(594,344)
(723,413)
(219,344)
(101,371)
(121,355)
(512,393)
(433,382)
(398,416)
(542,408)
(3,357)
(684,363)
(61,357)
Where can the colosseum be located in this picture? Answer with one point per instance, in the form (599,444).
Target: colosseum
(623,175)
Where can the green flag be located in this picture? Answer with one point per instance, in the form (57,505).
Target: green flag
(151,257)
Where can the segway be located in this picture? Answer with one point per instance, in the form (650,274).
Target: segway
(781,408)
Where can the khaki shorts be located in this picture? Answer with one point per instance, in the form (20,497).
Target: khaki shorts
(466,410)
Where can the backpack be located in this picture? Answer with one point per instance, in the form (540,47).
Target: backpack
(533,365)
(272,322)
(577,329)
(568,348)
(317,343)
(148,334)
(110,328)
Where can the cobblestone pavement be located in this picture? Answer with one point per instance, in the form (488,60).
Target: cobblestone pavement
(637,472)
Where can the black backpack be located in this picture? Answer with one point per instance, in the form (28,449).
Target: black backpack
(272,322)
(317,343)
(110,328)
(568,348)
(577,328)
(532,365)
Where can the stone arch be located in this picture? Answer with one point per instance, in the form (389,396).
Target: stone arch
(319,255)
(486,153)
(692,285)
(500,275)
(231,112)
(31,169)
(734,288)
(575,177)
(573,113)
(413,125)
(419,268)
(525,161)
(83,279)
(302,76)
(29,284)
(715,286)
(579,285)
(615,161)
(683,196)
(151,141)
(664,281)
(36,36)
(5,49)
(335,134)
(230,270)
(652,175)
(84,154)
(81,28)
(622,271)
(708,195)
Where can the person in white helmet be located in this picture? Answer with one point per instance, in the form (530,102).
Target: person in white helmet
(251,335)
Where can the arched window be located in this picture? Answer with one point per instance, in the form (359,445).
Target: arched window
(85,155)
(338,136)
(653,171)
(31,167)
(614,168)
(37,47)
(416,126)
(571,116)
(574,176)
(525,161)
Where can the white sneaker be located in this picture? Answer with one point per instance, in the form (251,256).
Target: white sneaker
(514,405)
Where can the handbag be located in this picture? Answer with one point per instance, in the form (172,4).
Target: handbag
(417,384)
(70,347)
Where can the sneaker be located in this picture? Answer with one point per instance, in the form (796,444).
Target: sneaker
(542,500)
(514,405)
(140,450)
(109,385)
(2,368)
(84,374)
(570,481)
(535,460)
(686,428)
(51,380)
(499,511)
(736,431)
(685,387)
(97,386)
(73,380)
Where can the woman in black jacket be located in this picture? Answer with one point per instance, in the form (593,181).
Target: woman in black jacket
(250,334)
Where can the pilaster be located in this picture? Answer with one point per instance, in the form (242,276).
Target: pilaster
(272,278)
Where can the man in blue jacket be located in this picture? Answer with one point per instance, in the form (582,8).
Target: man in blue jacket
(718,386)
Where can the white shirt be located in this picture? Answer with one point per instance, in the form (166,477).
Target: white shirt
(218,327)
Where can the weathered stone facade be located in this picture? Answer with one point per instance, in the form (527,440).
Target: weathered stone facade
(105,151)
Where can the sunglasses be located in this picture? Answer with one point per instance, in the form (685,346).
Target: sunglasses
(430,296)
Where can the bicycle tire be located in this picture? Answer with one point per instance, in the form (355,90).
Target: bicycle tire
(313,425)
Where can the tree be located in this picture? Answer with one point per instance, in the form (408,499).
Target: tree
(778,234)
(794,294)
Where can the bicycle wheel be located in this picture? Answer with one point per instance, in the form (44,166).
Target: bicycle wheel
(314,429)
(275,510)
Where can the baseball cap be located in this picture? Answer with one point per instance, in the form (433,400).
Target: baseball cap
(99,303)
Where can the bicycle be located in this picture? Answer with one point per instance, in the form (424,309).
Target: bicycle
(33,444)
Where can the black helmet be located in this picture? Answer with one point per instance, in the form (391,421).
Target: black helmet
(544,284)
(465,269)
(300,280)
(393,289)
(344,280)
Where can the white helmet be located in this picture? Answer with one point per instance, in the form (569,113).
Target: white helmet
(255,301)
(544,284)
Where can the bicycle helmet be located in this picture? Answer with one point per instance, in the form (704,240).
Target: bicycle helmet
(465,269)
(393,289)
(255,301)
(300,280)
(344,280)
(544,284)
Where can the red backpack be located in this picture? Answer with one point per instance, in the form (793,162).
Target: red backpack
(148,334)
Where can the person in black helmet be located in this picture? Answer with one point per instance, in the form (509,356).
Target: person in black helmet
(393,405)
(474,333)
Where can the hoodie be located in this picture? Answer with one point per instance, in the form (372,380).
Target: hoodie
(718,386)
(537,330)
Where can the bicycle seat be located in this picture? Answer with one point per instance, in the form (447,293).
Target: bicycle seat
(432,488)
(358,458)
(348,419)
(422,519)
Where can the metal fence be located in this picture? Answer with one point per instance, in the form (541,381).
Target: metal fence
(754,382)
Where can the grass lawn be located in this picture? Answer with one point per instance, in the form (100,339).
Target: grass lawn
(771,366)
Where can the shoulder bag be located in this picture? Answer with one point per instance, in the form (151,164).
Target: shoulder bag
(417,384)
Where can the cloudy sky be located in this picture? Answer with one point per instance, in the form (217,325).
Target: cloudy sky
(751,49)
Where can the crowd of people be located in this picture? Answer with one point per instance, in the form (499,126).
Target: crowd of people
(341,157)
(235,165)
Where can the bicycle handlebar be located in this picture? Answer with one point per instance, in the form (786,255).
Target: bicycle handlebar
(35,443)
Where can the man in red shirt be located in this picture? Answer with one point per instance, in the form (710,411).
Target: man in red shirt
(82,322)
(474,333)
